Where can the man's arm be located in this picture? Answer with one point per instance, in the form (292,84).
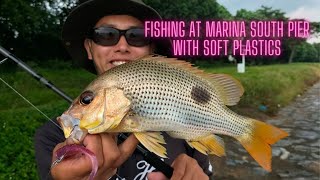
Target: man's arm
(45,139)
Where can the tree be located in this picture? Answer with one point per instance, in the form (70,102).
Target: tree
(306,52)
(294,43)
(189,10)
(32,27)
(317,48)
(289,44)
(263,14)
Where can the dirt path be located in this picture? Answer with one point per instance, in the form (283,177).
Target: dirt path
(295,157)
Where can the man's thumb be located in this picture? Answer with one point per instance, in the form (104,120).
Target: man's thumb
(156,176)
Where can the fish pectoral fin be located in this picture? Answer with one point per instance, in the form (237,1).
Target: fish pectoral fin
(152,141)
(211,144)
(130,123)
(258,140)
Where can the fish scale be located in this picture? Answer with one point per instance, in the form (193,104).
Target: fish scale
(156,94)
(140,86)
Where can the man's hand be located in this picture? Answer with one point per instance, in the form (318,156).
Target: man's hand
(184,167)
(109,155)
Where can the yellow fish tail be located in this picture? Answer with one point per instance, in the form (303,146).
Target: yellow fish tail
(258,142)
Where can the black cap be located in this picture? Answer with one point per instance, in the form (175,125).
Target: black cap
(86,15)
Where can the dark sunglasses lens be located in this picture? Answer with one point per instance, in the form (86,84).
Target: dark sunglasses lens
(106,36)
(135,37)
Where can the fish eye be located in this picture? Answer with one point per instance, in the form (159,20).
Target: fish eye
(86,97)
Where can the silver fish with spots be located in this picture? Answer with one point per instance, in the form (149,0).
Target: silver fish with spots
(155,94)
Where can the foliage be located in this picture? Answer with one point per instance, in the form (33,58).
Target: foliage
(267,13)
(264,13)
(189,10)
(19,121)
(18,126)
(317,48)
(306,52)
(31,28)
(315,28)
(293,49)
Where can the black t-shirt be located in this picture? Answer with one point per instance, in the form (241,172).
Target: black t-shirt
(135,168)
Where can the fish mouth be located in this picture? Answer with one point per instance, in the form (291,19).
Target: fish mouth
(103,126)
(71,128)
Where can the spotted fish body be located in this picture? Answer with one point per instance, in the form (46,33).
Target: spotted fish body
(174,100)
(157,94)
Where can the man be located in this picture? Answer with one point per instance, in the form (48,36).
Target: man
(99,35)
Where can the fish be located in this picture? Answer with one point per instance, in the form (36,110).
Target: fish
(157,94)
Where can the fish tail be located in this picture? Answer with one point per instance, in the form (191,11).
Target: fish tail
(258,140)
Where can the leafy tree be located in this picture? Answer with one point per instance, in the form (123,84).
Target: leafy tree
(306,52)
(317,48)
(189,10)
(289,45)
(293,43)
(32,27)
(315,28)
(264,13)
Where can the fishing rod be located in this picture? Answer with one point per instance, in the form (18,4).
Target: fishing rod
(150,157)
(38,77)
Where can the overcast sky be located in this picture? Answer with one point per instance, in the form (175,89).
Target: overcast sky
(307,9)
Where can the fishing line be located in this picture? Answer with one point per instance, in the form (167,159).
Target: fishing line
(30,103)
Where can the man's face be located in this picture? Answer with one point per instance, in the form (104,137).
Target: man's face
(107,57)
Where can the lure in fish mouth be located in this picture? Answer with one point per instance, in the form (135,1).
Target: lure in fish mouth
(157,94)
(71,128)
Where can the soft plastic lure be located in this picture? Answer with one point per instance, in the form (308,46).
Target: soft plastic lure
(74,150)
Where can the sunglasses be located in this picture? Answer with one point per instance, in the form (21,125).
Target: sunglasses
(108,36)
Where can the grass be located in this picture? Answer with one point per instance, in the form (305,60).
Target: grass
(18,120)
(271,86)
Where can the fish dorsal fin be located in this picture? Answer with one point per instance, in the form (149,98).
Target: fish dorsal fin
(229,88)
(181,64)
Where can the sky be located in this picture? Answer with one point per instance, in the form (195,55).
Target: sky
(307,9)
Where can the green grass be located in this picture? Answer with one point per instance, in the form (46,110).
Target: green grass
(18,120)
(267,85)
